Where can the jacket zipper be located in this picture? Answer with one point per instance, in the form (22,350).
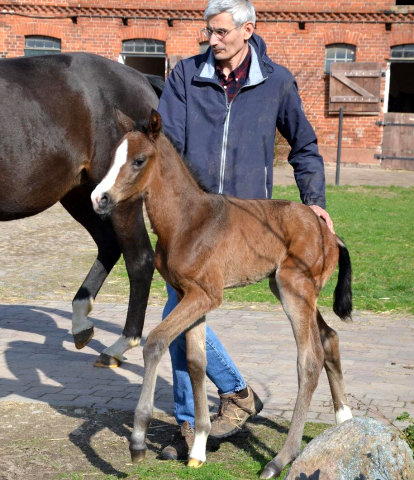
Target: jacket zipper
(226,122)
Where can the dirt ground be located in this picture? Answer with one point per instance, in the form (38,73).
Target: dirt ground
(38,441)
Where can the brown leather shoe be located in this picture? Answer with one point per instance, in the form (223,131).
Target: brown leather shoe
(180,446)
(234,412)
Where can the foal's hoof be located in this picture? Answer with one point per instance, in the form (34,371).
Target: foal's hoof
(194,463)
(137,455)
(83,338)
(270,471)
(106,361)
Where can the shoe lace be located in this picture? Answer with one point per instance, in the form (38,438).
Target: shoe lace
(230,409)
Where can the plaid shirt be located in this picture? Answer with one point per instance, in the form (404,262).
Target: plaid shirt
(236,79)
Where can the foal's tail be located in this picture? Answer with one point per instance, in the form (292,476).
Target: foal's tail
(343,291)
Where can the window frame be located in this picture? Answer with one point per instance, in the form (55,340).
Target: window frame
(33,50)
(349,49)
(159,47)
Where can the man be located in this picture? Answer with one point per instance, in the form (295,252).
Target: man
(222,109)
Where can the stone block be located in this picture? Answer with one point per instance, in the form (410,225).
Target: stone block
(358,449)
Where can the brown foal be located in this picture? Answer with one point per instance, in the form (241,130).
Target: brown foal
(209,242)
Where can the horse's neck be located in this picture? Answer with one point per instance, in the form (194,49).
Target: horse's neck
(171,192)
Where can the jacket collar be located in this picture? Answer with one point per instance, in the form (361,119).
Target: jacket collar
(207,70)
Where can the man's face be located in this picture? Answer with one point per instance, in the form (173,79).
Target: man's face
(233,42)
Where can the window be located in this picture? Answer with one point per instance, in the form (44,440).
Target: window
(403,52)
(143,46)
(203,47)
(36,45)
(338,52)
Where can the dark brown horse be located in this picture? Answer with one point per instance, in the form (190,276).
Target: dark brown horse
(58,128)
(210,242)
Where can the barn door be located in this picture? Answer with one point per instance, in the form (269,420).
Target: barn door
(398,141)
(355,87)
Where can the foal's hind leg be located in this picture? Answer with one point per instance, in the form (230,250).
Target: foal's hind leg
(78,204)
(330,343)
(298,293)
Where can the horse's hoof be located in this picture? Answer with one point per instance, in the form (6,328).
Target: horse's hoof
(194,463)
(106,361)
(269,471)
(83,338)
(137,455)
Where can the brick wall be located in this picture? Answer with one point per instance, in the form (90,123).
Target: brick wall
(302,51)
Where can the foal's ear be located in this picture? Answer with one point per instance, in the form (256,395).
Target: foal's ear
(125,123)
(154,125)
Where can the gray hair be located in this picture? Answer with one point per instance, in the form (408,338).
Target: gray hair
(242,11)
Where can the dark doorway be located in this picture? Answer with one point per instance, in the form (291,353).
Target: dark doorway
(146,55)
(401,95)
(147,64)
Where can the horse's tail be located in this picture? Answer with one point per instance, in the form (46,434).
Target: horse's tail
(157,83)
(343,291)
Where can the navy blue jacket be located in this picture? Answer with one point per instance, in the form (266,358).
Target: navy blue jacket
(230,146)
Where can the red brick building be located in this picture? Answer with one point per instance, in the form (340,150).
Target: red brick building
(305,36)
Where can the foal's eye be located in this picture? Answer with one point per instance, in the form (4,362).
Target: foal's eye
(139,161)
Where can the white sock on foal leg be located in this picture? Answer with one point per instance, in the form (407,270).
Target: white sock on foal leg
(198,450)
(342,414)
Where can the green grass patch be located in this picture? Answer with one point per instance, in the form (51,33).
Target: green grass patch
(377,225)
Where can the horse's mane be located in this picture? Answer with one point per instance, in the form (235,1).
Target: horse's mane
(196,176)
(187,164)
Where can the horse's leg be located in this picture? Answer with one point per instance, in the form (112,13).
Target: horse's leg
(330,343)
(194,305)
(128,221)
(197,362)
(298,294)
(78,204)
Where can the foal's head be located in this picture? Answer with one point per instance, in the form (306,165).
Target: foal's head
(130,163)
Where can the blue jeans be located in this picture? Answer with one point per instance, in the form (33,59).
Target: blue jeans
(220,368)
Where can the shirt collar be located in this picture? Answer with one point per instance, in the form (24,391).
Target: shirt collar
(238,71)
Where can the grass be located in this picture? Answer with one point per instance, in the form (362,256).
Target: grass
(377,225)
(242,457)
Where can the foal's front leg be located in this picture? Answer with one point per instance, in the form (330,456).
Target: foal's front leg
(197,362)
(193,306)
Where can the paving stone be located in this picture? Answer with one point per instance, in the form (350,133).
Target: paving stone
(42,363)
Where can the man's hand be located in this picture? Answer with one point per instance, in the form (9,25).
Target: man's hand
(324,215)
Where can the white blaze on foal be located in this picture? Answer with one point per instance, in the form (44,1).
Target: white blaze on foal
(109,180)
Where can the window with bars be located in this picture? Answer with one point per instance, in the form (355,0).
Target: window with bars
(403,52)
(338,52)
(143,46)
(38,45)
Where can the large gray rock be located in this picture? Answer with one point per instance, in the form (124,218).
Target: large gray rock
(358,449)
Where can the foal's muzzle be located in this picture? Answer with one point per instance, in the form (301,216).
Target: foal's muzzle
(103,204)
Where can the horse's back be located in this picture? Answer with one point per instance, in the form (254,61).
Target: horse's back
(58,125)
(266,232)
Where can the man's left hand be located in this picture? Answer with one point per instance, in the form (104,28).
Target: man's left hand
(324,215)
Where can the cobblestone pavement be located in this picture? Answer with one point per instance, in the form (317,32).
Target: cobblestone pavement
(39,363)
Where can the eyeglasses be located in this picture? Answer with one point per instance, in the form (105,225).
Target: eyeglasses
(219,33)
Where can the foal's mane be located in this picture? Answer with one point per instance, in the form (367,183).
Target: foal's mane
(191,171)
